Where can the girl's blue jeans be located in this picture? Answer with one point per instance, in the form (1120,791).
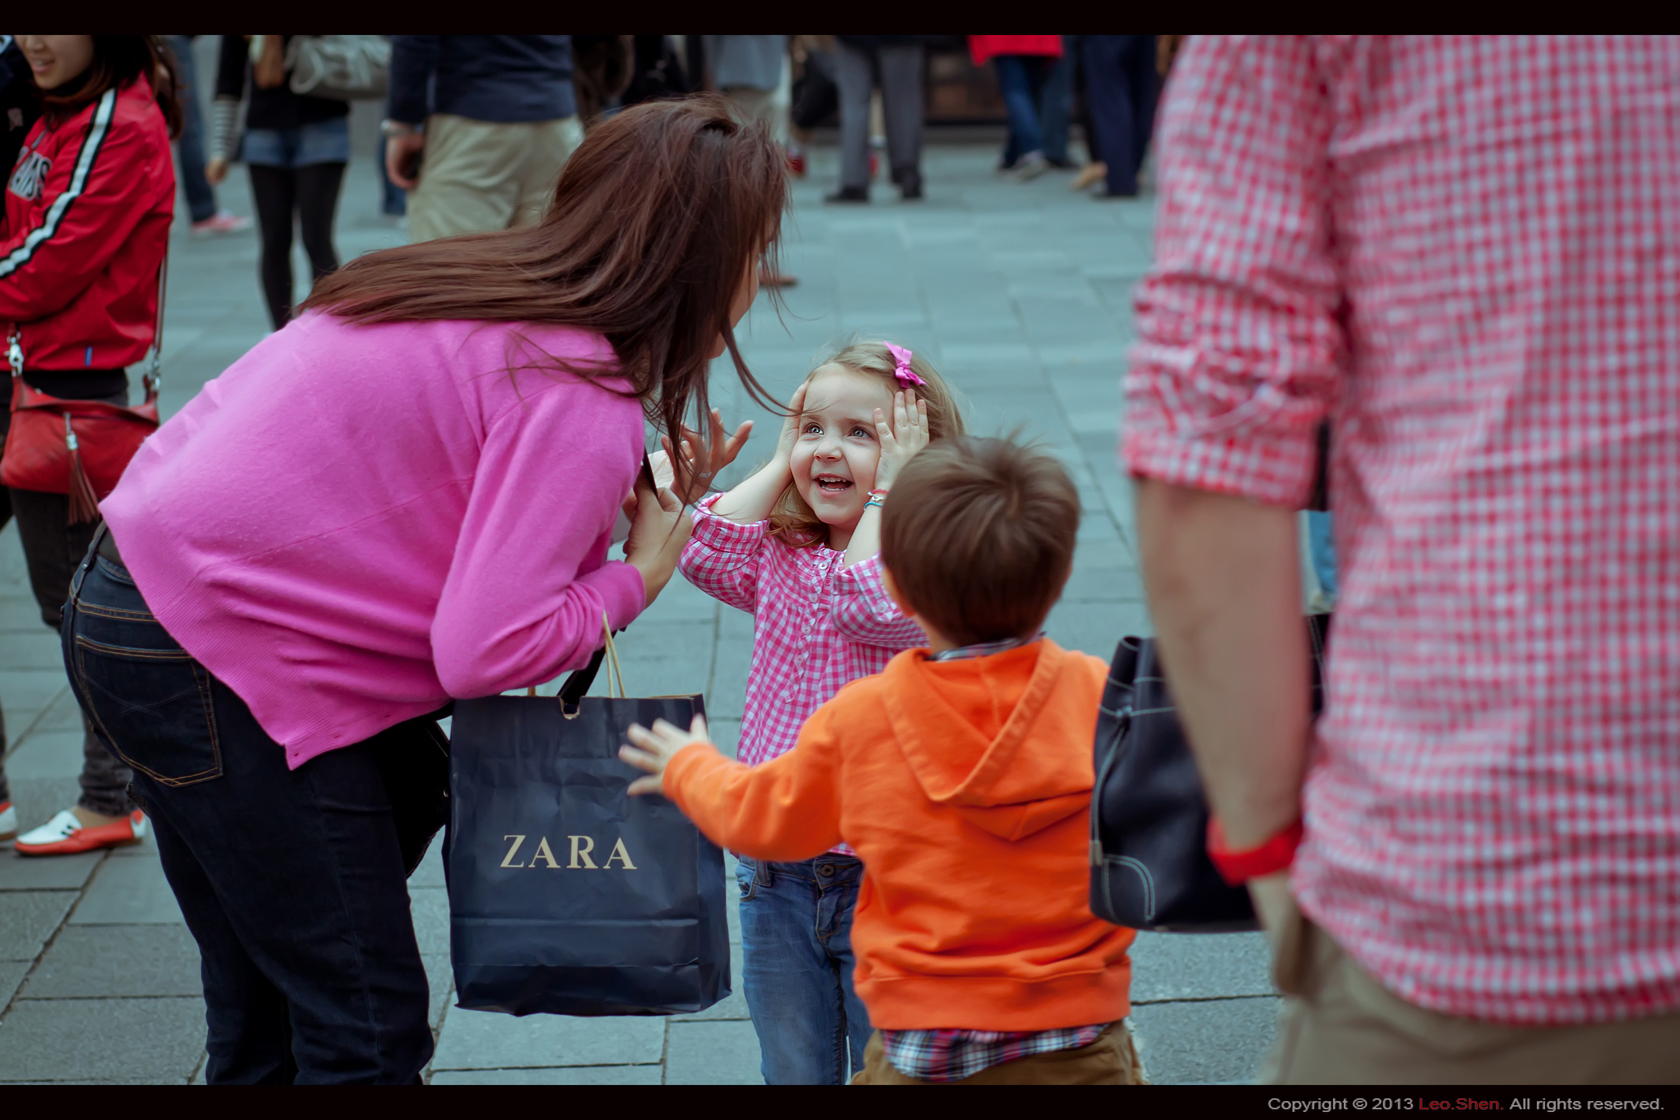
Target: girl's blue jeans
(796,945)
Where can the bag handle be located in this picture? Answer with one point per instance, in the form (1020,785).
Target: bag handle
(577,685)
(153,378)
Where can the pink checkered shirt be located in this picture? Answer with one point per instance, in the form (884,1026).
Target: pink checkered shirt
(1467,253)
(817,624)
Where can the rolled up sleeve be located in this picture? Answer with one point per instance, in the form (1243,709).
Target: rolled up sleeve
(1240,341)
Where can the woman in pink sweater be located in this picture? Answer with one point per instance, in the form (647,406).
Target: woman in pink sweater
(404,497)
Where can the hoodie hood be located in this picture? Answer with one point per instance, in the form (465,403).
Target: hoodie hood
(988,737)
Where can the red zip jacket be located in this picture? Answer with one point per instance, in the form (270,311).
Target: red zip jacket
(88,208)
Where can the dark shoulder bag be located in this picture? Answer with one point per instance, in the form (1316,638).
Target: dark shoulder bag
(1149,862)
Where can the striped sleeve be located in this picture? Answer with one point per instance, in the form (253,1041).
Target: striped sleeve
(92,196)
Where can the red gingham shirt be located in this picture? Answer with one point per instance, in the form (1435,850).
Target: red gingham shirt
(1467,253)
(817,624)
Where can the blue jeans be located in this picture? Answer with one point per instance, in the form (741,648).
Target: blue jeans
(293,882)
(1121,86)
(796,945)
(1021,80)
(201,197)
(325,141)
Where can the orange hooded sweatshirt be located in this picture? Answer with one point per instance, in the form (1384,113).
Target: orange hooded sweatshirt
(964,787)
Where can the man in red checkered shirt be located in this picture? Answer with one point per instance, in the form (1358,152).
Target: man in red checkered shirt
(1465,253)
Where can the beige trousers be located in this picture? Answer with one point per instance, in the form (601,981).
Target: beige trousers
(1342,1027)
(478,175)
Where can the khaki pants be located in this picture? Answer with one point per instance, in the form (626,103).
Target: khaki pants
(478,175)
(1342,1027)
(1110,1060)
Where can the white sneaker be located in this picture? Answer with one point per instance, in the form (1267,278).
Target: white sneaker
(66,835)
(8,823)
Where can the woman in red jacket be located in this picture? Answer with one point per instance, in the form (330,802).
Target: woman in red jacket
(87,215)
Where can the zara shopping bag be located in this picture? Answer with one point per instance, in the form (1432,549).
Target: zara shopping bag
(566,895)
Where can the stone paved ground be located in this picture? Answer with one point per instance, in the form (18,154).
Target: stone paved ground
(1018,293)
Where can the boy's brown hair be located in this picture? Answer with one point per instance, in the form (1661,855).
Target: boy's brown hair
(978,535)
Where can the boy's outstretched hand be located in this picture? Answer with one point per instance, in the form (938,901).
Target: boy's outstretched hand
(651,749)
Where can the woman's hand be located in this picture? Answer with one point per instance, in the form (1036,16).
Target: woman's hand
(704,459)
(216,170)
(654,749)
(753,499)
(906,435)
(658,530)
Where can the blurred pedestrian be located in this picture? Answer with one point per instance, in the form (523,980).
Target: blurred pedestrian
(280,604)
(602,68)
(478,129)
(19,107)
(207,218)
(1055,109)
(897,61)
(296,147)
(87,214)
(1024,63)
(754,72)
(1121,82)
(1468,865)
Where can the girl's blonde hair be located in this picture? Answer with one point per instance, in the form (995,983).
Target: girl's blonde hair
(793,520)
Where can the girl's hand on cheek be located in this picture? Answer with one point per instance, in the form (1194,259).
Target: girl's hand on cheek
(790,424)
(902,438)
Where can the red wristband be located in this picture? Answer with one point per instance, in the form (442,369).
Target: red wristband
(1237,868)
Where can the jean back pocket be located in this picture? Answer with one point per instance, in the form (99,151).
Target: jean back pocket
(153,707)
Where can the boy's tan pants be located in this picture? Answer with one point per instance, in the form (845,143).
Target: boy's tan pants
(1342,1027)
(1110,1060)
(477,176)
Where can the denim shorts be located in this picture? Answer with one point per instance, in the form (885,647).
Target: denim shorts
(321,142)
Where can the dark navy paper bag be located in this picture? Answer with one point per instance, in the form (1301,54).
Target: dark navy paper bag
(566,895)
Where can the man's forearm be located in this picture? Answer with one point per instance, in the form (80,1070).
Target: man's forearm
(1223,578)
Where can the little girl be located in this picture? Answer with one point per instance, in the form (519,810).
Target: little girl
(798,545)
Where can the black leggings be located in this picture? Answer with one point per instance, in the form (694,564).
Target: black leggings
(311,193)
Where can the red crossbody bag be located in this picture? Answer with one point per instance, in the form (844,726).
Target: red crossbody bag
(77,448)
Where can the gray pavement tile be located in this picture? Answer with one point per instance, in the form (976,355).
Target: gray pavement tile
(27,692)
(127,1040)
(1209,1041)
(554,1075)
(11,978)
(127,892)
(430,907)
(33,647)
(103,961)
(1179,966)
(63,714)
(47,754)
(430,871)
(722,1052)
(1096,627)
(28,919)
(38,873)
(440,983)
(485,1040)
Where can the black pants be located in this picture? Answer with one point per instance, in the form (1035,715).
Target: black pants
(1121,86)
(293,882)
(310,195)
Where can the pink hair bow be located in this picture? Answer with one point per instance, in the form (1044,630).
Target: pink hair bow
(902,370)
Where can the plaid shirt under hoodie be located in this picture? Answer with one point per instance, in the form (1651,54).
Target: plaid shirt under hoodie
(817,624)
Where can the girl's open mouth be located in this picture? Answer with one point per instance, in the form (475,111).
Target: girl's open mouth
(830,484)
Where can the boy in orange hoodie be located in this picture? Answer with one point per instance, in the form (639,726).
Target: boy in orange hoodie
(962,777)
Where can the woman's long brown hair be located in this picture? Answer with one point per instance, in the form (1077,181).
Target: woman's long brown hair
(117,61)
(657,218)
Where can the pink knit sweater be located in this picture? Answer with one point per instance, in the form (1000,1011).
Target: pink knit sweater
(353,524)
